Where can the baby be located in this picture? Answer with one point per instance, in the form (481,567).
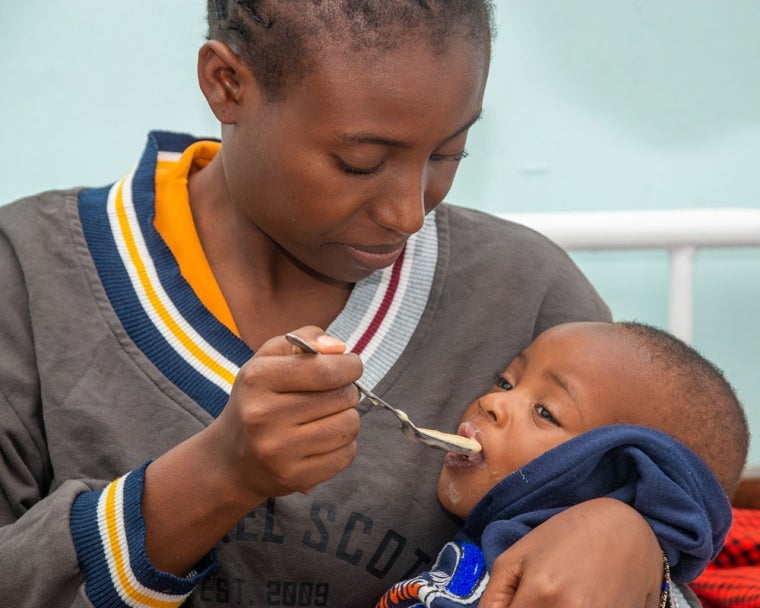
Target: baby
(589,410)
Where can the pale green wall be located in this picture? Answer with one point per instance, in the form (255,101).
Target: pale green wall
(625,104)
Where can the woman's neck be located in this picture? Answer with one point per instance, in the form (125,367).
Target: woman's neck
(268,291)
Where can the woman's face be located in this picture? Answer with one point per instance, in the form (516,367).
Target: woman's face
(342,171)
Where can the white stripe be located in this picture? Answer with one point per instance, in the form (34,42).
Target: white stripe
(404,311)
(124,548)
(398,297)
(164,155)
(371,310)
(162,295)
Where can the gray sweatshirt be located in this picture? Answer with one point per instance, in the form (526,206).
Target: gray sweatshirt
(93,384)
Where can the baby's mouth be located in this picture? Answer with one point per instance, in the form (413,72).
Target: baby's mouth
(470,430)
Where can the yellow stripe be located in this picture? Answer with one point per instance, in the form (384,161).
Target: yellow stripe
(174,222)
(155,301)
(118,556)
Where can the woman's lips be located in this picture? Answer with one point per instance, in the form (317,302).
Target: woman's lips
(376,257)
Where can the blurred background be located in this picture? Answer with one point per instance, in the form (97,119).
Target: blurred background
(633,104)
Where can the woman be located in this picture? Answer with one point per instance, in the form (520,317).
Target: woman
(151,458)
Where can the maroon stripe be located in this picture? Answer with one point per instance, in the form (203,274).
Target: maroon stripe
(377,320)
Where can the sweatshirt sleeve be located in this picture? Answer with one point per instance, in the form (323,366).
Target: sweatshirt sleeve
(108,529)
(65,540)
(37,557)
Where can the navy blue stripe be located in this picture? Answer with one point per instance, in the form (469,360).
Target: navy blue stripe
(180,292)
(133,317)
(90,553)
(140,564)
(126,304)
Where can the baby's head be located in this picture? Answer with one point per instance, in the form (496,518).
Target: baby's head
(579,376)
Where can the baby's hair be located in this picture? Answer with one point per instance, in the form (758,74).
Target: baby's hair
(703,410)
(280,40)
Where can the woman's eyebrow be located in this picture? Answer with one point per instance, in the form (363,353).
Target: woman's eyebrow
(371,138)
(466,126)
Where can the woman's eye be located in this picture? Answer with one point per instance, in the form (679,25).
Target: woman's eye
(450,157)
(503,383)
(546,414)
(352,170)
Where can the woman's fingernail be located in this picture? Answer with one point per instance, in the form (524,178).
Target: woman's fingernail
(330,341)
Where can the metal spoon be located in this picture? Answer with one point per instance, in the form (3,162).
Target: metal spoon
(431,437)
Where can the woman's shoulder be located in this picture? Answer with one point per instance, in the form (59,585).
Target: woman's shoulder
(487,228)
(37,206)
(40,223)
(496,258)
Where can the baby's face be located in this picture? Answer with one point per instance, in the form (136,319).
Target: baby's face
(571,379)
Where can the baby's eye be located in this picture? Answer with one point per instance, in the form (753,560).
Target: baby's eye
(503,383)
(544,413)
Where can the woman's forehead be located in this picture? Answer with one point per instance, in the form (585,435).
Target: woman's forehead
(357,90)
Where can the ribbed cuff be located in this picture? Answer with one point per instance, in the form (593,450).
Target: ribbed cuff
(108,529)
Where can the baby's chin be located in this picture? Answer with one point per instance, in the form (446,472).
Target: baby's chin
(459,498)
(452,499)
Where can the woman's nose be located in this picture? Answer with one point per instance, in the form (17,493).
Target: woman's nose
(403,208)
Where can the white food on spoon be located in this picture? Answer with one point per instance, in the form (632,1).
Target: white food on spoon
(466,443)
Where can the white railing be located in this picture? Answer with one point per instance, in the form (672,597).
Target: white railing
(680,231)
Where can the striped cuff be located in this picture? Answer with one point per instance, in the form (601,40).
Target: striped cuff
(108,529)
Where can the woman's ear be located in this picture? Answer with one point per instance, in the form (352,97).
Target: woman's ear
(224,80)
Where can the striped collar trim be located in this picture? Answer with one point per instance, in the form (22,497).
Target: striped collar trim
(169,324)
(385,309)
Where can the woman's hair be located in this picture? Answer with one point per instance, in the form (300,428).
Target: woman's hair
(281,40)
(702,410)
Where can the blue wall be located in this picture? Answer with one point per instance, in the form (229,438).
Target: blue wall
(633,104)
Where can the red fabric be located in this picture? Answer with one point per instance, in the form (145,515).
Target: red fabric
(733,578)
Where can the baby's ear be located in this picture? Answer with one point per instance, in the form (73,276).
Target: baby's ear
(225,80)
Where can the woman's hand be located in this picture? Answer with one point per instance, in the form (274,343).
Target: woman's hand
(598,553)
(290,423)
(291,420)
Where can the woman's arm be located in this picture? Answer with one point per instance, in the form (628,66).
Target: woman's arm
(290,423)
(598,553)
